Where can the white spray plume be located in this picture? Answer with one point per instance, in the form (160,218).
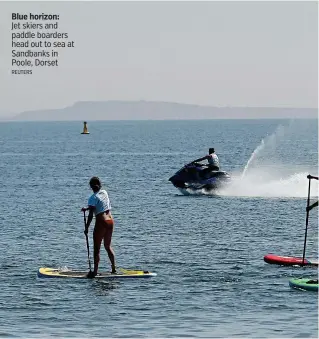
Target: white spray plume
(266,184)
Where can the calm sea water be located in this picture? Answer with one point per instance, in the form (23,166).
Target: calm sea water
(206,249)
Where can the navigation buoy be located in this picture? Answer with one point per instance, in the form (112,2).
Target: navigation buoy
(85,129)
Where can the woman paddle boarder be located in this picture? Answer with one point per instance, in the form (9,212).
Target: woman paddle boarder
(99,205)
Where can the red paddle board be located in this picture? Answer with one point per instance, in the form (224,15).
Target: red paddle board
(288,261)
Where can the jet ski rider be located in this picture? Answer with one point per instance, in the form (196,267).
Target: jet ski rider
(212,158)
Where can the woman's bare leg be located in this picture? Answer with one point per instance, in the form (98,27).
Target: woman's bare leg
(98,235)
(107,243)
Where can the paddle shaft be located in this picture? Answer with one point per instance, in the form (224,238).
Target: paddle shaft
(87,242)
(307,218)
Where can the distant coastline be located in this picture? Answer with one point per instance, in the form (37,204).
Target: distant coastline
(155,110)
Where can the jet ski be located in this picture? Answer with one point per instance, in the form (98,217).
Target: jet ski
(196,176)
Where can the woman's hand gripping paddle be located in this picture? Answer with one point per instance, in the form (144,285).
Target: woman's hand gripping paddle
(87,240)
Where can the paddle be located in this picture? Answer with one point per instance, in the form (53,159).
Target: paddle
(307,218)
(87,242)
(312,177)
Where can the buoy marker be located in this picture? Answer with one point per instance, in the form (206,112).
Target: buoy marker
(85,128)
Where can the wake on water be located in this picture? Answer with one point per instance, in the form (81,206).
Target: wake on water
(261,179)
(262,184)
(295,186)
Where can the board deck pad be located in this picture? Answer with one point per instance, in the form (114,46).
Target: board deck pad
(304,284)
(47,272)
(288,261)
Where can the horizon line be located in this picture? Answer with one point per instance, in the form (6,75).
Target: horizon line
(173,119)
(152,101)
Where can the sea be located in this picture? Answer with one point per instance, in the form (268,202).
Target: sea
(206,248)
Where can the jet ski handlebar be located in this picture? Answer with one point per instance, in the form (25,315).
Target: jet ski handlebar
(195,163)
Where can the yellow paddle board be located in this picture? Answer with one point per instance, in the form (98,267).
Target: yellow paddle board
(47,272)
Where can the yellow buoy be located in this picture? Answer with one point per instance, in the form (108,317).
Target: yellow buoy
(85,129)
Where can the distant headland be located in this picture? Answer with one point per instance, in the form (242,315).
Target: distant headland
(153,110)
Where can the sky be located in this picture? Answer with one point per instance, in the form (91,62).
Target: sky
(206,53)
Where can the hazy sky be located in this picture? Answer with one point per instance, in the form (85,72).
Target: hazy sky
(207,53)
